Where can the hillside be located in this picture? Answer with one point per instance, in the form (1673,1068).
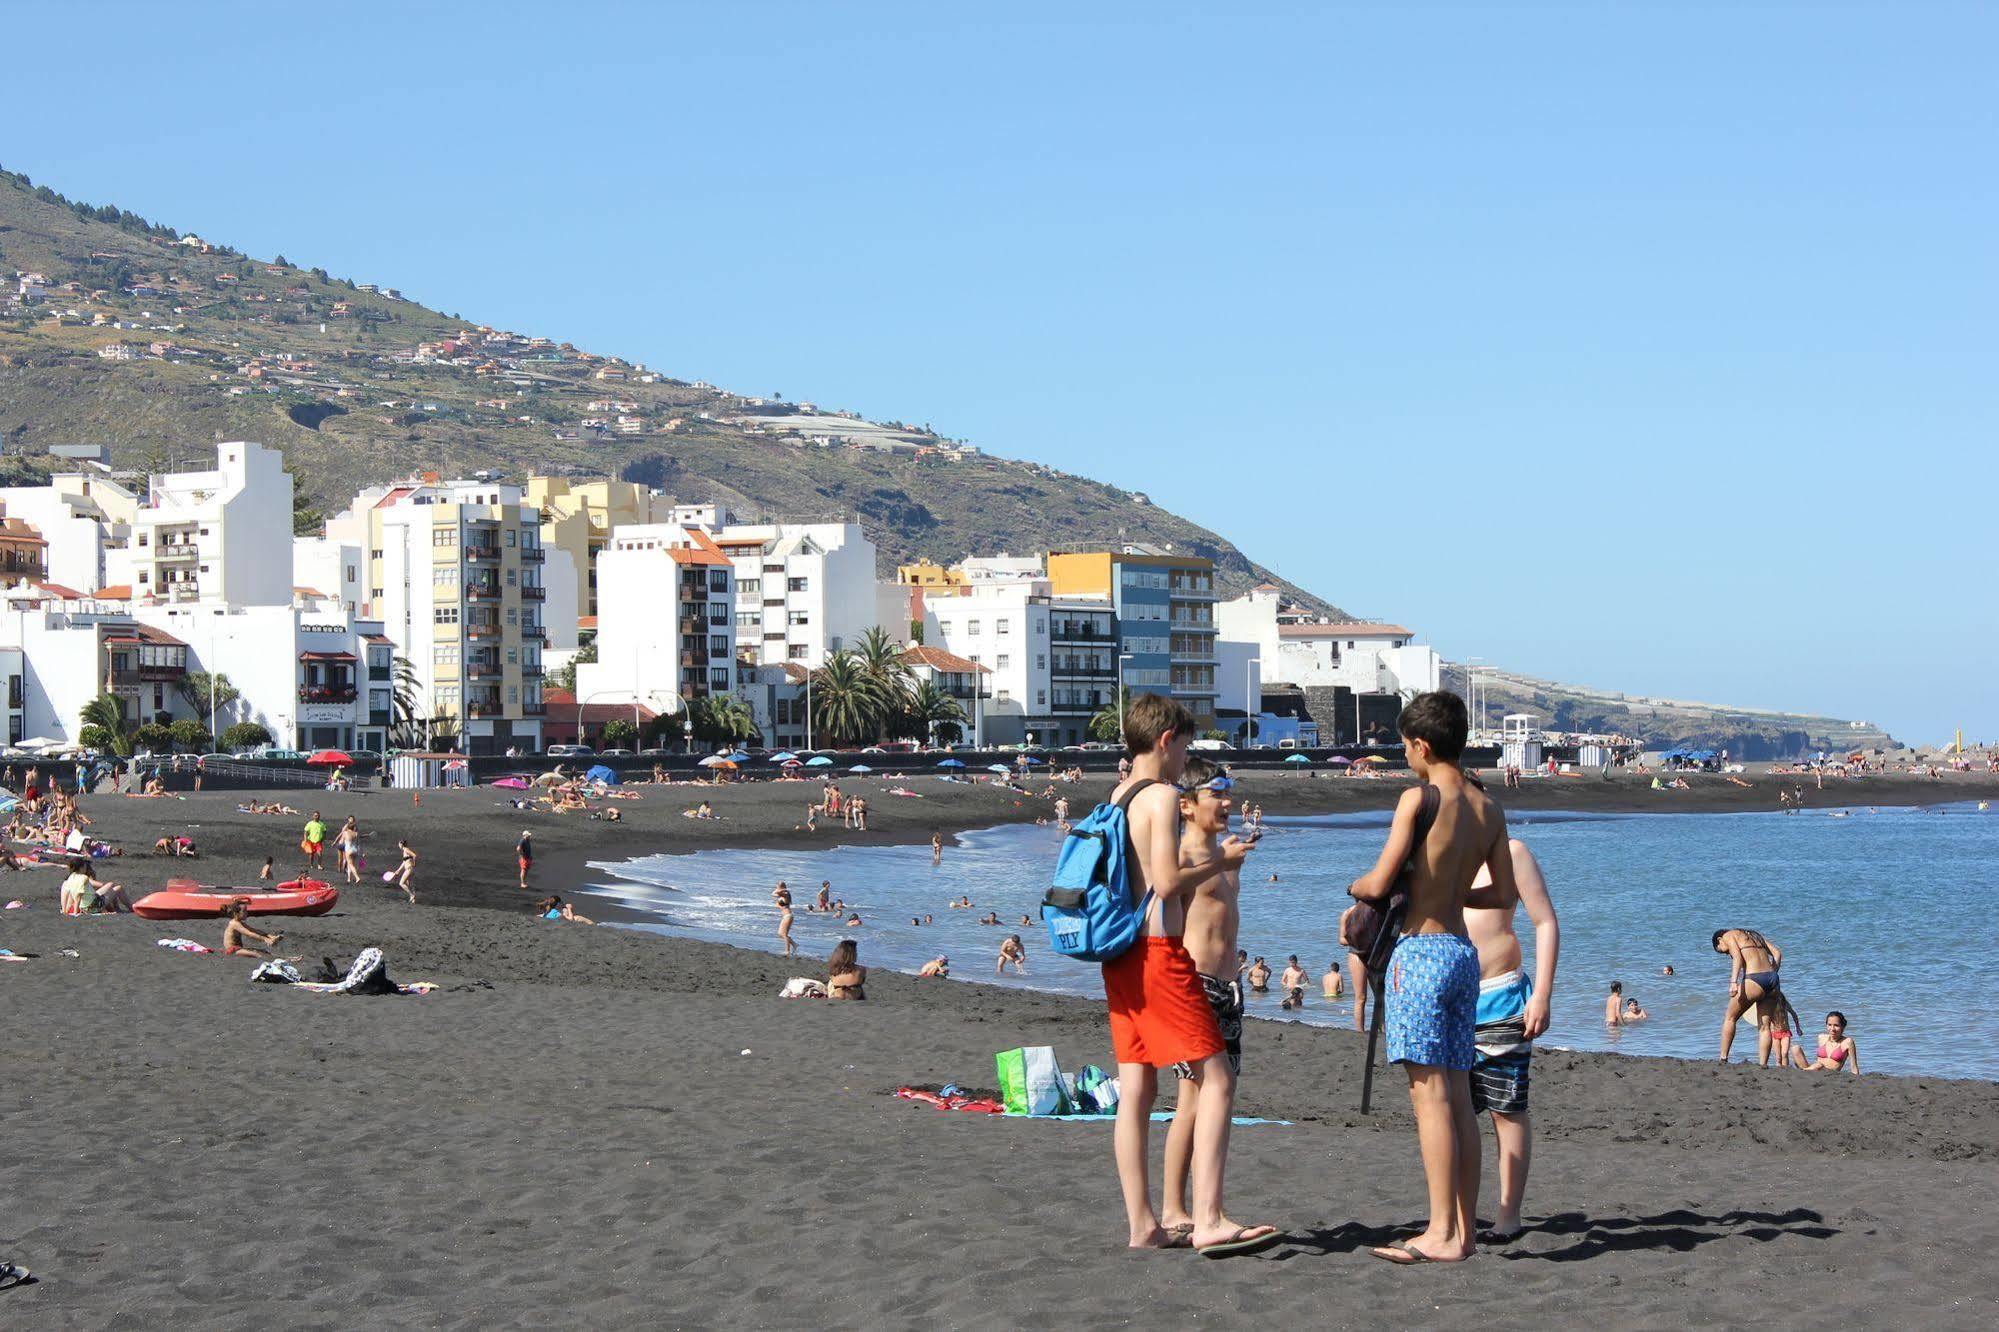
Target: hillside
(357,385)
(1747,733)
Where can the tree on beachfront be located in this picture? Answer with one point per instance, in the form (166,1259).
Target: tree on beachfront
(405,696)
(1106,725)
(105,727)
(931,715)
(564,676)
(619,733)
(721,720)
(847,702)
(245,735)
(193,688)
(189,735)
(153,738)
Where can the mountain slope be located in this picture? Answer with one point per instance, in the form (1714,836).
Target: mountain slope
(223,346)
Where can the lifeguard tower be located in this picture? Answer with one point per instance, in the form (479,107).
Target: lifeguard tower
(1518,745)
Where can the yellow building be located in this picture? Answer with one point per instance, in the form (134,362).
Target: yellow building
(927,575)
(577,517)
(1165,608)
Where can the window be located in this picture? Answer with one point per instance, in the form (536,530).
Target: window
(445,615)
(1003,661)
(972,630)
(513,656)
(513,615)
(1000,628)
(797,652)
(510,536)
(375,554)
(445,654)
(718,580)
(443,536)
(378,700)
(801,617)
(748,619)
(718,646)
(1040,661)
(513,691)
(796,584)
(718,681)
(1041,698)
(447,698)
(1003,696)
(511,579)
(444,575)
(1040,625)
(750,587)
(352,576)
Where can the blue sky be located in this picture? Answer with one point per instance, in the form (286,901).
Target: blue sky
(1646,347)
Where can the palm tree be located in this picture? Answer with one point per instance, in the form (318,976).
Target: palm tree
(721,719)
(881,660)
(1107,725)
(106,727)
(407,695)
(930,714)
(848,704)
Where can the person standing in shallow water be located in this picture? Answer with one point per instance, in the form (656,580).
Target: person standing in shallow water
(783,896)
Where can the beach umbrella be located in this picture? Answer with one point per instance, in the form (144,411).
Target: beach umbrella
(860,767)
(600,773)
(713,761)
(1030,761)
(549,779)
(786,757)
(1001,769)
(509,783)
(819,761)
(1339,758)
(1370,758)
(951,763)
(737,757)
(1298,758)
(725,765)
(330,758)
(8,800)
(791,763)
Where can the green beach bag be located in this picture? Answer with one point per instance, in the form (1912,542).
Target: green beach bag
(1030,1082)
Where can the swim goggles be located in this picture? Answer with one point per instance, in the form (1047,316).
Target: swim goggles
(1217,784)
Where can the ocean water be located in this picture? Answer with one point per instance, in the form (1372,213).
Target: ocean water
(1891,916)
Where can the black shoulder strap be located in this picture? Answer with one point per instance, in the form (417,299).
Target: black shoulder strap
(1426,814)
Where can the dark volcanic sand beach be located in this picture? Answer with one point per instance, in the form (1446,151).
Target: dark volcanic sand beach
(570,1135)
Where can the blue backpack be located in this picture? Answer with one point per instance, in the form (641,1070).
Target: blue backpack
(1089,911)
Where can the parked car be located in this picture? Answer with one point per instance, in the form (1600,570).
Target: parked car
(614,753)
(569,751)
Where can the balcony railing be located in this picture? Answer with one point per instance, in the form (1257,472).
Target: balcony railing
(482,631)
(482,709)
(1189,622)
(175,552)
(482,591)
(531,670)
(534,631)
(482,670)
(482,554)
(536,709)
(326,694)
(534,594)
(533,555)
(1077,634)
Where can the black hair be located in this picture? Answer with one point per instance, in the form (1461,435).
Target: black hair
(1717,939)
(1437,718)
(1617,987)
(1197,774)
(1836,1014)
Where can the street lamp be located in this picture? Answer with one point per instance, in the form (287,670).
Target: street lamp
(1471,695)
(1252,704)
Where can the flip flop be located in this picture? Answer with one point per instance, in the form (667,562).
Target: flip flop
(12,1276)
(1413,1256)
(1244,1241)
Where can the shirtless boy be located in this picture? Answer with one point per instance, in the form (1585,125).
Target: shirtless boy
(1432,984)
(1213,920)
(1512,1011)
(1158,1009)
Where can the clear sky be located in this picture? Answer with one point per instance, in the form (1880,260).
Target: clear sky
(1649,347)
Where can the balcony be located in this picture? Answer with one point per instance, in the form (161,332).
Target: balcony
(482,592)
(531,670)
(535,632)
(534,593)
(691,624)
(326,694)
(487,709)
(1079,634)
(177,551)
(482,670)
(482,554)
(481,632)
(1194,654)
(692,659)
(533,555)
(1190,625)
(1190,592)
(534,709)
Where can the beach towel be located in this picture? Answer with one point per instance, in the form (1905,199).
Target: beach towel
(185,946)
(368,975)
(276,972)
(803,987)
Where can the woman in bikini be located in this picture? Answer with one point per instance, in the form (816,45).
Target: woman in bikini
(783,896)
(235,932)
(1752,982)
(846,978)
(1835,1049)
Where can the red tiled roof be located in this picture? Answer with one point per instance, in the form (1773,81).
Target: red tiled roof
(584,622)
(695,555)
(937,659)
(394,495)
(115,592)
(1354,630)
(58,590)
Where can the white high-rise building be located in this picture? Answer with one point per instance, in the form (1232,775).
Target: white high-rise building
(666,619)
(803,590)
(223,535)
(82,515)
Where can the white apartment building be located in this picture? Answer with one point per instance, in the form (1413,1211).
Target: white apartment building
(457,574)
(1047,663)
(1365,658)
(310,673)
(332,568)
(803,591)
(666,619)
(82,515)
(222,535)
(73,649)
(13,667)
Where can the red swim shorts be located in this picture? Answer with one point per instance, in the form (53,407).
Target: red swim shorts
(1159,1012)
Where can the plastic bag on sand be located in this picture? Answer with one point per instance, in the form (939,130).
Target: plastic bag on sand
(1030,1082)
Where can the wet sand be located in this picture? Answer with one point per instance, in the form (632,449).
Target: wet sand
(570,1133)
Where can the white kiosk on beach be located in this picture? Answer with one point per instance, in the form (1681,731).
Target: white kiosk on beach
(424,772)
(1517,746)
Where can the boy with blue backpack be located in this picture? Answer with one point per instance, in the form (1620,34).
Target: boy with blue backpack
(1119,898)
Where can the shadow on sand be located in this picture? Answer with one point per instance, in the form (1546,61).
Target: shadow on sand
(1678,1231)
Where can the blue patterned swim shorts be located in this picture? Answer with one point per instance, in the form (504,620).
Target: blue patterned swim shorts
(1432,1001)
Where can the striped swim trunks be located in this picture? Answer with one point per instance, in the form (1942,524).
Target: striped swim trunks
(1499,1073)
